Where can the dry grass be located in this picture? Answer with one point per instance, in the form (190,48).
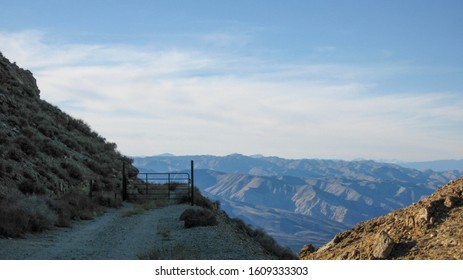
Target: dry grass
(140,208)
(164,231)
(169,251)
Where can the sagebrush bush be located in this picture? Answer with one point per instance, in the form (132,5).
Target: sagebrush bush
(52,149)
(73,170)
(201,200)
(27,146)
(4,140)
(46,129)
(198,218)
(14,153)
(266,241)
(63,212)
(81,206)
(31,186)
(25,214)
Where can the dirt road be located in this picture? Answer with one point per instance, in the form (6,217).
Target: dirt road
(113,237)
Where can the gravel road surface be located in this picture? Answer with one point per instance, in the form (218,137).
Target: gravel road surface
(114,237)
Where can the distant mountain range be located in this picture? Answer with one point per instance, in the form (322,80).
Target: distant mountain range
(436,165)
(306,200)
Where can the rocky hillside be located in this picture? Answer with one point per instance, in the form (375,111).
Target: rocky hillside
(47,160)
(429,229)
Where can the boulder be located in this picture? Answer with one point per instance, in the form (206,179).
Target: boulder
(383,246)
(306,251)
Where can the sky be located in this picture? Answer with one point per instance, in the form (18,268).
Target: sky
(328,79)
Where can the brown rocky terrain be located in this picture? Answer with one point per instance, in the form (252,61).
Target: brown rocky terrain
(430,229)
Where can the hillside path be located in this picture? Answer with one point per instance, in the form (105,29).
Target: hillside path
(112,236)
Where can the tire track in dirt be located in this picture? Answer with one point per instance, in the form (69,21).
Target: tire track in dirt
(113,237)
(109,236)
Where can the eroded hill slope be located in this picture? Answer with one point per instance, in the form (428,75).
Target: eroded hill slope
(429,229)
(47,160)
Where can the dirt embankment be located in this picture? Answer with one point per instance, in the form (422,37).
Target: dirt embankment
(158,232)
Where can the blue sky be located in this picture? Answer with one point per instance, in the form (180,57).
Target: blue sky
(297,79)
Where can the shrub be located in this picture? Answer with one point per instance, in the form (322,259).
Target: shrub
(201,200)
(52,149)
(41,216)
(63,211)
(14,154)
(26,146)
(73,171)
(13,220)
(198,218)
(30,186)
(2,168)
(109,199)
(242,226)
(3,138)
(28,132)
(70,142)
(25,214)
(46,129)
(176,252)
(81,206)
(271,246)
(59,172)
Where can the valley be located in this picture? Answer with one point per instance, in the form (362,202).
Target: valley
(303,201)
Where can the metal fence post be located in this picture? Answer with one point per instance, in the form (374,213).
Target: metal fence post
(192,183)
(168,186)
(146,185)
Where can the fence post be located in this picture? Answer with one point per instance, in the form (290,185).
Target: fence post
(192,183)
(124,183)
(146,185)
(168,185)
(90,188)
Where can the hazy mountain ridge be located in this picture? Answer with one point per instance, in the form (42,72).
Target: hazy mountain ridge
(436,165)
(342,192)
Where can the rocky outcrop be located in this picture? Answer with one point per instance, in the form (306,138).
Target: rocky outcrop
(429,229)
(15,80)
(383,245)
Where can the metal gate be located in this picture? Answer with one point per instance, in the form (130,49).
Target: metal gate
(161,186)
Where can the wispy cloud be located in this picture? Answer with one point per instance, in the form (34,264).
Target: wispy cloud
(190,101)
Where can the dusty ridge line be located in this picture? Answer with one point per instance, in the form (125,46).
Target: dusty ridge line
(109,236)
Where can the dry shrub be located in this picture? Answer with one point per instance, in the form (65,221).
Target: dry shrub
(109,199)
(63,211)
(81,206)
(136,210)
(25,214)
(266,241)
(139,208)
(198,218)
(243,227)
(175,251)
(205,202)
(30,186)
